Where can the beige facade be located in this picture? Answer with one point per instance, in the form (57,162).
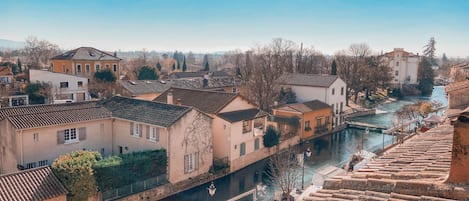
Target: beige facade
(186,137)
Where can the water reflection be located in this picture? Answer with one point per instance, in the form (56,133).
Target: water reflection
(334,150)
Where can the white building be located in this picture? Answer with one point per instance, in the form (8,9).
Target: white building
(65,88)
(404,66)
(326,88)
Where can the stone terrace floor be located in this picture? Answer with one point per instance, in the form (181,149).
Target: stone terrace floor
(414,170)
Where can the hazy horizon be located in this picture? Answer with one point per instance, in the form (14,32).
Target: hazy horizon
(218,26)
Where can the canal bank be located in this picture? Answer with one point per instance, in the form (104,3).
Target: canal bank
(334,150)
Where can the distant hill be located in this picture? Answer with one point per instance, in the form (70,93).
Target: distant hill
(9,44)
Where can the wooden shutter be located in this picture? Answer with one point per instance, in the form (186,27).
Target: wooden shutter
(186,163)
(131,128)
(140,130)
(196,161)
(60,137)
(148,132)
(82,133)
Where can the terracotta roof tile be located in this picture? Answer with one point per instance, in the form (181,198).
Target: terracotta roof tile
(307,79)
(30,185)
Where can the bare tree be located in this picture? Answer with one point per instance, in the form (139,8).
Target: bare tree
(283,171)
(38,52)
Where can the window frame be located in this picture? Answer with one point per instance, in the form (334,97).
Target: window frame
(87,69)
(257,144)
(80,83)
(155,134)
(63,85)
(43,163)
(242,149)
(71,135)
(247,126)
(114,67)
(79,70)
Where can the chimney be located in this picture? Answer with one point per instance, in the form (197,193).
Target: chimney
(169,98)
(459,171)
(115,54)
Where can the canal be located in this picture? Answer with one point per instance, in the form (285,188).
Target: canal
(330,150)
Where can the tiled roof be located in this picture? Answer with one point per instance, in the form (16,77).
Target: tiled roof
(145,111)
(5,71)
(457,85)
(307,79)
(137,87)
(35,109)
(414,170)
(86,53)
(305,107)
(401,51)
(30,185)
(207,101)
(241,115)
(200,74)
(23,121)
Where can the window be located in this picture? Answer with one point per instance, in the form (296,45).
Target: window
(102,151)
(107,66)
(191,162)
(63,68)
(78,68)
(333,91)
(97,67)
(256,144)
(80,84)
(342,91)
(136,130)
(327,121)
(70,135)
(332,108)
(121,150)
(234,90)
(36,137)
(341,106)
(318,122)
(242,149)
(247,126)
(307,126)
(63,84)
(337,108)
(30,165)
(396,73)
(114,67)
(397,63)
(87,69)
(43,163)
(155,134)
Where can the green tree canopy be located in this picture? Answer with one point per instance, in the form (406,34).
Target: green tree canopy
(105,75)
(271,137)
(184,65)
(158,66)
(206,67)
(333,68)
(425,76)
(147,73)
(75,171)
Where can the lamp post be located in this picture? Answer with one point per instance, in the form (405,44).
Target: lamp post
(212,189)
(306,154)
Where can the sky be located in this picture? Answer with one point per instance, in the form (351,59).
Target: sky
(222,25)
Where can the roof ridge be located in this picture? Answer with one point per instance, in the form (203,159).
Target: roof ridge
(218,92)
(60,110)
(148,101)
(24,171)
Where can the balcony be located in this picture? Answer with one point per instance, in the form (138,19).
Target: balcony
(258,131)
(321,129)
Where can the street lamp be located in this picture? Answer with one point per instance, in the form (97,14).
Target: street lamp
(306,154)
(211,189)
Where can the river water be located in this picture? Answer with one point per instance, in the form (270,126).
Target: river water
(330,150)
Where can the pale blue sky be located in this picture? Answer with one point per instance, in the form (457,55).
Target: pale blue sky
(216,25)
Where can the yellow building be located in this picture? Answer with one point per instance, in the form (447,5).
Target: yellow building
(314,118)
(85,61)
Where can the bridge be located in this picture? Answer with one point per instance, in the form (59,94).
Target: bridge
(364,126)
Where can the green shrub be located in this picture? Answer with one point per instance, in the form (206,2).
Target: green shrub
(271,137)
(75,171)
